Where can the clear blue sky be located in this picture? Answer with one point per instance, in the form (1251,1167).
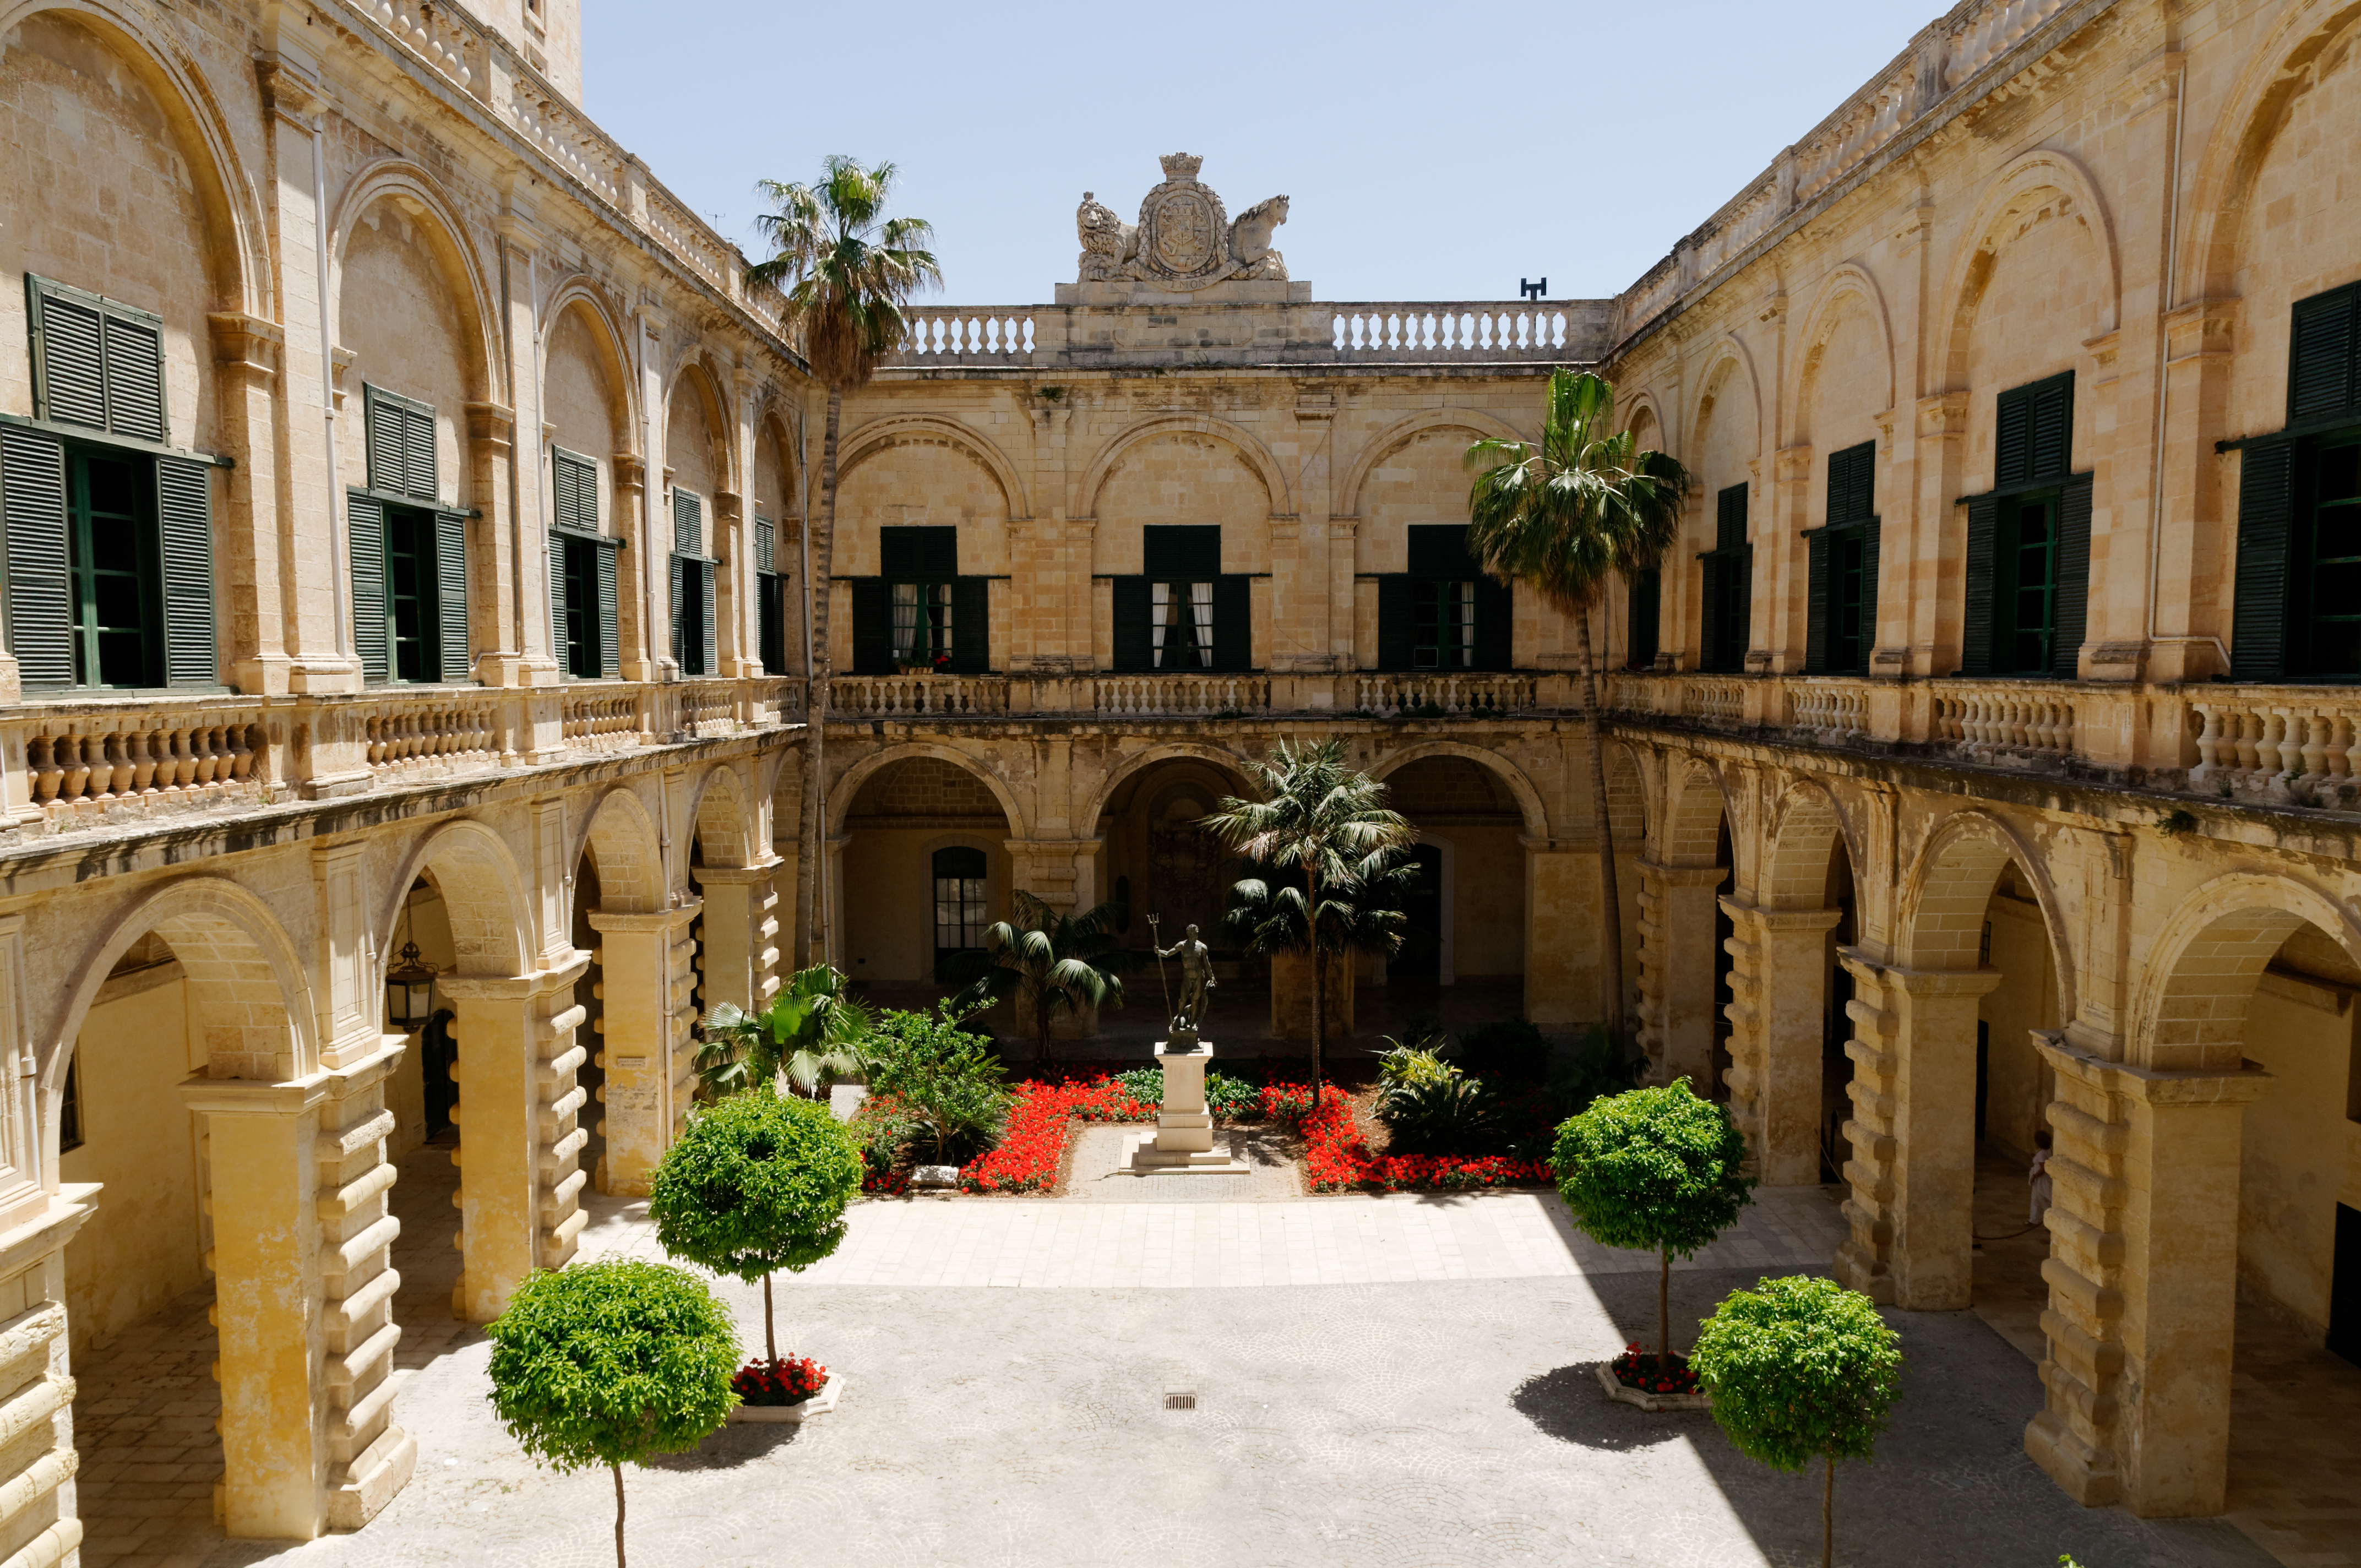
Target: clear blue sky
(1432,153)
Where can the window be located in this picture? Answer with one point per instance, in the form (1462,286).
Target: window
(409,552)
(959,901)
(582,574)
(919,613)
(1726,603)
(1180,624)
(692,588)
(2299,537)
(770,598)
(108,531)
(1444,613)
(1182,613)
(2028,562)
(1639,632)
(70,1130)
(1841,611)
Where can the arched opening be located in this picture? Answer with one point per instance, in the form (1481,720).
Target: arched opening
(1461,963)
(900,823)
(1838,894)
(2014,1088)
(1684,973)
(1177,875)
(622,917)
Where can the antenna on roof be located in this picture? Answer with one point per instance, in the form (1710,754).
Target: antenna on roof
(1532,289)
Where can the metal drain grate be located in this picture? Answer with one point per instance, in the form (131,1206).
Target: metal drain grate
(1179,1401)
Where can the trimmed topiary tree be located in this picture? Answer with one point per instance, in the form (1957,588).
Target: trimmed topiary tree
(757,1183)
(612,1363)
(1799,1367)
(1655,1169)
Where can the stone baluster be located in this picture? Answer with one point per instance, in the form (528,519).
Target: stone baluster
(2290,748)
(2313,752)
(2244,728)
(72,770)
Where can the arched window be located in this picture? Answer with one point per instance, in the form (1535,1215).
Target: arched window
(959,901)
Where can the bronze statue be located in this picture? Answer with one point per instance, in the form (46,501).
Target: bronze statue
(1196,984)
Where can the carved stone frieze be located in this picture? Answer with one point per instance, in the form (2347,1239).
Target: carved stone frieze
(1184,240)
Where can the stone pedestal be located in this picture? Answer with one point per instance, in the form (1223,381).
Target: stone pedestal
(1182,1142)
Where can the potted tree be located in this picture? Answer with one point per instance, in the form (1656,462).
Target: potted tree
(758,1183)
(1801,1368)
(1656,1168)
(611,1363)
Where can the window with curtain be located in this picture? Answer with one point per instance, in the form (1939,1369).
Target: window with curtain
(1182,613)
(409,553)
(919,614)
(1181,625)
(1444,613)
(960,918)
(923,623)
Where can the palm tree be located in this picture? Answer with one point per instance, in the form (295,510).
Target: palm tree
(812,1027)
(1050,963)
(1327,822)
(846,271)
(1558,518)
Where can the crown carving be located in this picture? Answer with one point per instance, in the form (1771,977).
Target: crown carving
(1181,165)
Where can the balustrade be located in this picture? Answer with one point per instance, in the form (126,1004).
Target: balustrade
(2004,723)
(910,696)
(1444,332)
(1716,702)
(703,707)
(1446,696)
(938,336)
(435,33)
(87,766)
(2275,744)
(437,733)
(1176,697)
(1835,711)
(604,720)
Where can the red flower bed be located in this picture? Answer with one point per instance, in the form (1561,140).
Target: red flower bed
(1337,1158)
(1636,1368)
(1033,1143)
(790,1380)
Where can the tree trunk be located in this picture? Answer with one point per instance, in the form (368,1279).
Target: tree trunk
(1610,919)
(1041,1020)
(811,882)
(770,1326)
(1319,985)
(1828,1511)
(1664,1310)
(617,1469)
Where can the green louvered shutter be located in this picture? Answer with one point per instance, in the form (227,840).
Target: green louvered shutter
(2324,340)
(418,452)
(687,523)
(2070,608)
(574,482)
(970,625)
(184,517)
(69,333)
(610,643)
(33,508)
(385,432)
(1815,605)
(711,664)
(679,608)
(2052,431)
(1397,620)
(873,626)
(1976,627)
(1730,518)
(2012,439)
(766,545)
(1190,553)
(1712,579)
(558,645)
(135,374)
(451,596)
(365,528)
(1742,614)
(1131,641)
(1496,625)
(1868,591)
(1233,621)
(2258,622)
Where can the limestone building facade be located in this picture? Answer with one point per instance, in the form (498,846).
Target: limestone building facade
(405,498)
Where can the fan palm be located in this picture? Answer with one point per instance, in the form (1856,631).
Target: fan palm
(1325,823)
(1559,517)
(813,1026)
(846,271)
(1050,963)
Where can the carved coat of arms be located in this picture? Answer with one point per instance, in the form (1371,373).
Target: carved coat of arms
(1184,240)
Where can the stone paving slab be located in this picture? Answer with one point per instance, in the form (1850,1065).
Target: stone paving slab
(1096,1175)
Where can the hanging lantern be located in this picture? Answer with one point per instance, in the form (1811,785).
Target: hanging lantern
(409,990)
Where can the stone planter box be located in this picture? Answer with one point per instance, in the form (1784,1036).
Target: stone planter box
(1640,1397)
(819,1404)
(935,1178)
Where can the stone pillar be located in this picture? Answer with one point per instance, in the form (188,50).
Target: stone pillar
(1676,968)
(738,956)
(644,984)
(2143,1282)
(296,1180)
(1778,983)
(1561,933)
(1782,632)
(246,355)
(519,1148)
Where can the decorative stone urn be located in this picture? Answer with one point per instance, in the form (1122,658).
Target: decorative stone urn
(1182,1142)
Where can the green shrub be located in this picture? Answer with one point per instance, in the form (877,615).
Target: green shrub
(755,1184)
(948,1083)
(1445,1115)
(1801,1368)
(1511,1048)
(812,1032)
(1229,1099)
(1598,1067)
(612,1363)
(1656,1168)
(1416,1059)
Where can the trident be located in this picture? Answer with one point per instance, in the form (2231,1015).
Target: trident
(1156,941)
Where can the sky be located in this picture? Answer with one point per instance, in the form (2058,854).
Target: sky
(1428,153)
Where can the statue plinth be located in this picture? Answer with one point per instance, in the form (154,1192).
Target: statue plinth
(1182,1142)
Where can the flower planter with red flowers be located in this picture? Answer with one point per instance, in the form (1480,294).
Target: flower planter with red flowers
(1336,1158)
(1638,1377)
(791,1389)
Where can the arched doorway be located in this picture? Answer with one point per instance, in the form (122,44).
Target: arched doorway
(1161,862)
(1463,958)
(914,827)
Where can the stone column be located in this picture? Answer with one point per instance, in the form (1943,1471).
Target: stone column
(635,661)
(520,1147)
(738,961)
(644,984)
(1782,581)
(1778,983)
(296,1185)
(2143,1282)
(1561,932)
(1676,966)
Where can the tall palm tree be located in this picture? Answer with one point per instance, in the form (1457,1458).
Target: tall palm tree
(1327,822)
(846,271)
(1050,963)
(1558,518)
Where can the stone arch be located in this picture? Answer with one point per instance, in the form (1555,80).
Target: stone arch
(775,434)
(1528,798)
(724,818)
(1391,439)
(1627,795)
(1849,281)
(2201,972)
(1696,803)
(1256,455)
(422,199)
(847,788)
(1645,405)
(2042,182)
(1944,896)
(694,377)
(222,934)
(235,224)
(1728,357)
(884,434)
(578,299)
(621,838)
(1229,762)
(484,893)
(1806,825)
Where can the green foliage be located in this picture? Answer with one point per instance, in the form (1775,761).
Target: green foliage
(811,1031)
(1799,1369)
(1050,963)
(1446,1115)
(1598,1067)
(1510,1048)
(1417,1057)
(1229,1099)
(611,1363)
(949,1083)
(1652,1168)
(847,268)
(756,1183)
